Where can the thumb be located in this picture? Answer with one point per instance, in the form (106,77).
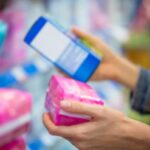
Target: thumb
(81,108)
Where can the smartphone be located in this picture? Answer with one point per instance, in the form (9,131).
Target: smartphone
(69,54)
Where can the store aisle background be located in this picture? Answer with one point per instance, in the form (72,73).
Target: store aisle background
(111,20)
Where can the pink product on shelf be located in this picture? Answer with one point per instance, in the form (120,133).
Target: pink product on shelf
(99,18)
(61,88)
(17,144)
(14,50)
(15,114)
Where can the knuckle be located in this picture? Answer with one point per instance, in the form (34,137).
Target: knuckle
(97,110)
(78,131)
(52,130)
(81,145)
(96,40)
(76,106)
(82,134)
(101,114)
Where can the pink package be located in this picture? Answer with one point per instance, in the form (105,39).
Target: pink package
(14,50)
(99,19)
(17,144)
(15,114)
(61,88)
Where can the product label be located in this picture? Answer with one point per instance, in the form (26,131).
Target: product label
(59,48)
(72,58)
(50,42)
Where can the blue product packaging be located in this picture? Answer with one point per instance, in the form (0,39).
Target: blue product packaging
(69,54)
(3,33)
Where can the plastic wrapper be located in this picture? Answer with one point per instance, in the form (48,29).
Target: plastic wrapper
(17,144)
(13,50)
(3,33)
(61,88)
(15,114)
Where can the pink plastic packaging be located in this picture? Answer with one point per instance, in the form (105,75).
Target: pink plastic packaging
(17,144)
(14,50)
(61,88)
(15,114)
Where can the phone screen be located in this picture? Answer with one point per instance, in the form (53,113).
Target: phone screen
(71,56)
(51,42)
(59,48)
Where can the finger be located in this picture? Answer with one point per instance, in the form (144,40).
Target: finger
(62,72)
(64,131)
(96,42)
(81,108)
(83,35)
(47,120)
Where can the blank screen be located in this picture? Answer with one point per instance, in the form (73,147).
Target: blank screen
(50,42)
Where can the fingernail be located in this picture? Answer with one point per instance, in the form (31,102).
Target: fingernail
(65,103)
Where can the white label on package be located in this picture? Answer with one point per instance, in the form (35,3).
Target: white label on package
(51,42)
(72,58)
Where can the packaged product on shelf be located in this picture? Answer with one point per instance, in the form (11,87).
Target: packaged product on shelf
(61,88)
(14,50)
(71,55)
(15,114)
(17,144)
(98,15)
(3,33)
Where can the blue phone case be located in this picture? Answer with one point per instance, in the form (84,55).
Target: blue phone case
(86,68)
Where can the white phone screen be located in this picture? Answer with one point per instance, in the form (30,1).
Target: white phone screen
(50,42)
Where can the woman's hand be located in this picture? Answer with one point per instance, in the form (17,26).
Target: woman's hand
(113,66)
(107,130)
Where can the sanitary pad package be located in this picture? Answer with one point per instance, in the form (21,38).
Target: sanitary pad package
(17,144)
(13,51)
(15,114)
(3,33)
(61,88)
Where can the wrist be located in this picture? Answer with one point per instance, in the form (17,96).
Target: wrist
(136,134)
(127,73)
